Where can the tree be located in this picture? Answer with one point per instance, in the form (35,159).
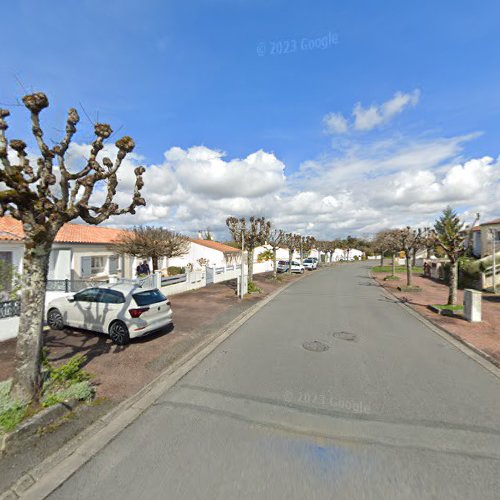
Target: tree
(43,198)
(147,242)
(306,245)
(408,239)
(291,241)
(322,247)
(275,240)
(253,234)
(452,239)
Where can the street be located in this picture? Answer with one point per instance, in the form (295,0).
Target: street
(332,390)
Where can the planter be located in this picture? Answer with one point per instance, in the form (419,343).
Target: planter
(458,313)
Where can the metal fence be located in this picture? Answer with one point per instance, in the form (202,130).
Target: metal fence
(10,308)
(71,286)
(172,280)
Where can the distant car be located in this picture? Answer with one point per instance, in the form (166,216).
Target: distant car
(310,263)
(283,266)
(121,311)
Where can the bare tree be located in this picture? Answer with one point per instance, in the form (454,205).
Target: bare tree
(43,198)
(453,240)
(291,241)
(306,245)
(275,240)
(147,242)
(322,246)
(407,239)
(253,234)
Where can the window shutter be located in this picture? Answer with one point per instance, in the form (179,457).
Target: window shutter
(86,266)
(113,264)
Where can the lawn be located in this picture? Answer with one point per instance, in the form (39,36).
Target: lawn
(399,269)
(447,307)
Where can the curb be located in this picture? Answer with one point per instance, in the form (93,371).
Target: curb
(12,440)
(46,477)
(481,357)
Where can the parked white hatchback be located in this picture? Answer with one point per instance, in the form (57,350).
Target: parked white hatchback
(121,311)
(283,265)
(310,263)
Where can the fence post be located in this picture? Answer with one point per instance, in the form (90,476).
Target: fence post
(66,285)
(113,280)
(157,279)
(472,305)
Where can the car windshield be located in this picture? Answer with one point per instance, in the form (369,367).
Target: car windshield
(282,262)
(308,261)
(149,297)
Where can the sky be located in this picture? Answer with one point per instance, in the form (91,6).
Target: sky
(331,118)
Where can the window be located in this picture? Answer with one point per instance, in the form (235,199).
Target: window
(97,264)
(89,295)
(149,297)
(111,297)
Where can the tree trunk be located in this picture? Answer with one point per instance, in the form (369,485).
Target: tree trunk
(414,263)
(250,264)
(290,257)
(27,381)
(408,268)
(275,271)
(155,263)
(382,259)
(393,264)
(453,285)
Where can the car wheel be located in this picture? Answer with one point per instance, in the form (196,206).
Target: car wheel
(55,319)
(118,333)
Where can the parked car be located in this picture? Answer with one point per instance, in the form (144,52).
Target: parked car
(121,311)
(283,266)
(310,263)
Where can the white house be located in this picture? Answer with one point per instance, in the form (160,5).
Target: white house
(80,251)
(205,252)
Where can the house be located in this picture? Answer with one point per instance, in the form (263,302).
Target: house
(205,252)
(490,236)
(79,252)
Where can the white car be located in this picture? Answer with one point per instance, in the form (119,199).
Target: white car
(310,263)
(282,267)
(121,311)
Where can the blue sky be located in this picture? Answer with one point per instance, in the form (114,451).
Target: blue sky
(184,74)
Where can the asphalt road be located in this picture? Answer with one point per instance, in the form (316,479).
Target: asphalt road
(388,410)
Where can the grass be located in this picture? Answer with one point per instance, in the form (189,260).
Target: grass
(399,269)
(448,307)
(12,412)
(253,288)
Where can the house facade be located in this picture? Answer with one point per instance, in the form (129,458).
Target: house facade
(79,252)
(484,237)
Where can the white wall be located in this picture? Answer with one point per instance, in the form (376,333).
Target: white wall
(215,258)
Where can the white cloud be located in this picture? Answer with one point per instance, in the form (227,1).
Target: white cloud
(372,116)
(335,123)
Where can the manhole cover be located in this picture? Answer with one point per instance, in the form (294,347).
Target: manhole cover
(345,336)
(315,346)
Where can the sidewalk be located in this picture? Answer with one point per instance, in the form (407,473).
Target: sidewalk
(485,336)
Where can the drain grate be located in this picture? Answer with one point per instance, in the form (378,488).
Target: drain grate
(315,346)
(351,337)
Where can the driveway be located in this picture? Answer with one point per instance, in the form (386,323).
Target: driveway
(377,406)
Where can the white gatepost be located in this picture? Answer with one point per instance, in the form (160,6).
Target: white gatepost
(157,279)
(472,305)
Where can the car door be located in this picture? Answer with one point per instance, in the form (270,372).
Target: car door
(109,304)
(82,314)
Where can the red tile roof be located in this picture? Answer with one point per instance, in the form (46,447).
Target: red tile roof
(215,245)
(494,221)
(12,230)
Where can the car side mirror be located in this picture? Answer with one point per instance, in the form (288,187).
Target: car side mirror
(71,299)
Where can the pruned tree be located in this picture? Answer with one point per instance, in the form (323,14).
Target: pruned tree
(291,241)
(275,240)
(148,242)
(306,245)
(407,239)
(452,238)
(322,247)
(43,198)
(252,234)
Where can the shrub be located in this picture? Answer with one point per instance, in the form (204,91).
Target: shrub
(253,288)
(175,270)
